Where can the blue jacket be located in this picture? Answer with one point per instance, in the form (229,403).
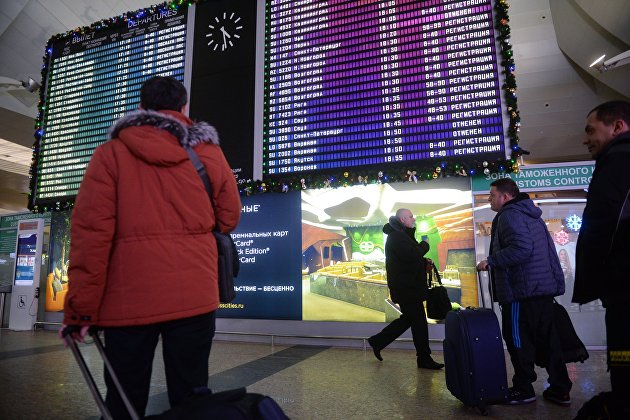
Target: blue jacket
(522,256)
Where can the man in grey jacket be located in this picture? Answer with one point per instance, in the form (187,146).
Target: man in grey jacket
(526,277)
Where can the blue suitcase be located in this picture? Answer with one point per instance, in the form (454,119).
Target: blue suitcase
(474,359)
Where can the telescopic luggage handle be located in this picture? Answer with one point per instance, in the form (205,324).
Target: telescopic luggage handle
(483,300)
(89,379)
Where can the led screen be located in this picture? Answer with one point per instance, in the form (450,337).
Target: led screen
(354,83)
(93,79)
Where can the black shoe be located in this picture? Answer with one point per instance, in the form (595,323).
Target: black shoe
(376,350)
(560,398)
(517,397)
(428,363)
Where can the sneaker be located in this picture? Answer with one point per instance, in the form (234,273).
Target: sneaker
(517,397)
(560,398)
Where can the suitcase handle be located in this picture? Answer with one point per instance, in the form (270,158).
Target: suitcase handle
(483,300)
(89,379)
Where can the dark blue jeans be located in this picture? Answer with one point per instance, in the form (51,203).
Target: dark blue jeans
(186,347)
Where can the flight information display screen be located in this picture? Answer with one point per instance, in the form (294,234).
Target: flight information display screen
(93,79)
(354,83)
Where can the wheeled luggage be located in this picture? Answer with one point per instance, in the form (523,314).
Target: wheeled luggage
(474,358)
(233,404)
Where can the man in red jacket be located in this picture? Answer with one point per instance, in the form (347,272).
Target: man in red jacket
(143,259)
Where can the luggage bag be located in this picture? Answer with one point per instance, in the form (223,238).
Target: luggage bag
(474,358)
(233,404)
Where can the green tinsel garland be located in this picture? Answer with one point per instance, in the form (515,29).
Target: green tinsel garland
(349,177)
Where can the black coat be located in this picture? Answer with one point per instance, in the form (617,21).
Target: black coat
(603,248)
(405,263)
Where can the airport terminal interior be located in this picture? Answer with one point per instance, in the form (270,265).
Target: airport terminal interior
(313,284)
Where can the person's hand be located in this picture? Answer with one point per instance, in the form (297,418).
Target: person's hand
(429,265)
(77,332)
(483,265)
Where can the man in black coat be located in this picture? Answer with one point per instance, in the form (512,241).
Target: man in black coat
(603,246)
(407,282)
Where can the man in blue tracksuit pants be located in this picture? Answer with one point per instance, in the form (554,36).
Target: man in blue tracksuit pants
(526,277)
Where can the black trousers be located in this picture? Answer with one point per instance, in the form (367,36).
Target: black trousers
(186,347)
(528,325)
(618,343)
(412,316)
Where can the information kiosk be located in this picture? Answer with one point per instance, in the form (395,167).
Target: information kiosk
(28,261)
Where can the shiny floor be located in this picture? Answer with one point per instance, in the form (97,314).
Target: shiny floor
(39,379)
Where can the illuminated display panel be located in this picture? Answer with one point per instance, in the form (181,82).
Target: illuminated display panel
(93,80)
(353,83)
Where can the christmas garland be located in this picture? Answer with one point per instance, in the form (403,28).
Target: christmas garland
(120,20)
(354,176)
(408,173)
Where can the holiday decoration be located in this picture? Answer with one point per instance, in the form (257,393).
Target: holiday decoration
(408,172)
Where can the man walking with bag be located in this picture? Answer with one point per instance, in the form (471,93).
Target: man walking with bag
(407,281)
(526,276)
(143,259)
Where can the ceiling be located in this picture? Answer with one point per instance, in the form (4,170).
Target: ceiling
(554,42)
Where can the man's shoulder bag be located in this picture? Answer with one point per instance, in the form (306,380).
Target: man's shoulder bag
(228,261)
(438,303)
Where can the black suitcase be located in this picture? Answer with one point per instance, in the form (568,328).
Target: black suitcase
(233,404)
(473,357)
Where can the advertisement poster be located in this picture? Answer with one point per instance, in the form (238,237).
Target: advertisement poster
(268,240)
(343,245)
(57,279)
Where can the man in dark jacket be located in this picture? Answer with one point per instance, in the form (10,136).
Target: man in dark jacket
(407,282)
(526,277)
(603,246)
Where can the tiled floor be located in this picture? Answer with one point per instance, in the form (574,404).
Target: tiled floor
(39,379)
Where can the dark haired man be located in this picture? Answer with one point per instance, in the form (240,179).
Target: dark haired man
(603,246)
(143,259)
(526,277)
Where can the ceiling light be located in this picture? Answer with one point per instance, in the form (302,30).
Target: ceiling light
(598,60)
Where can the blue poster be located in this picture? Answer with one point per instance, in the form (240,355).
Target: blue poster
(269,242)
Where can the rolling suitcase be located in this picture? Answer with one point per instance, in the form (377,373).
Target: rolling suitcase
(473,356)
(232,404)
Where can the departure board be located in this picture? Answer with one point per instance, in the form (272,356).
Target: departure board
(353,83)
(93,79)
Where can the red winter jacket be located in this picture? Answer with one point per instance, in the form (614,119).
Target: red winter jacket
(142,249)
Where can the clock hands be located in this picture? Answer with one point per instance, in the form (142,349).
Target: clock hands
(228,37)
(225,34)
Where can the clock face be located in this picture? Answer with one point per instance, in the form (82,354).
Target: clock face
(224,31)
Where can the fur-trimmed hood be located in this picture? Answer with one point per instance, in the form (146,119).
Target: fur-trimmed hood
(150,135)
(191,135)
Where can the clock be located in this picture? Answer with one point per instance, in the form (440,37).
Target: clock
(224,31)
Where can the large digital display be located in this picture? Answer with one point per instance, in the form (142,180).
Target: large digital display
(25,259)
(353,83)
(94,78)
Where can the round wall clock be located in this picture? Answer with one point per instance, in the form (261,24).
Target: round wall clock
(224,31)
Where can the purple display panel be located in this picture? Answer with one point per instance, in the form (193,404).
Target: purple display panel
(352,83)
